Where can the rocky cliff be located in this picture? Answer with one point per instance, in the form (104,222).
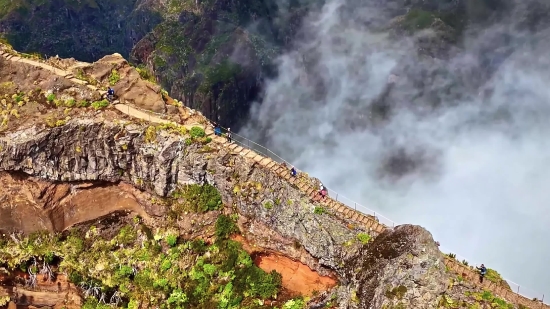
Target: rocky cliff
(171,215)
(92,151)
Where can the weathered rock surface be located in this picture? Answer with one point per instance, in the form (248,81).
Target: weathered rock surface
(86,150)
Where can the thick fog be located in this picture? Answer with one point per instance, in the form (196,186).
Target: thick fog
(459,144)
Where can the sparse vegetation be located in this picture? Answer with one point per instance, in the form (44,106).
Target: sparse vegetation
(268,205)
(196,198)
(144,74)
(114,77)
(150,134)
(100,104)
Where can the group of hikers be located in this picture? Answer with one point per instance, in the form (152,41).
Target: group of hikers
(218,132)
(323,191)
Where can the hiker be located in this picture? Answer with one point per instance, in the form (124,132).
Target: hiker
(482,272)
(293,172)
(110,94)
(228,135)
(217,130)
(323,190)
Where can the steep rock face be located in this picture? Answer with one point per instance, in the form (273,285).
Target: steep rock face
(402,268)
(84,29)
(56,206)
(93,151)
(209,61)
(86,150)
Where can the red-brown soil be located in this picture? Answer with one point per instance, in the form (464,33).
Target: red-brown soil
(298,278)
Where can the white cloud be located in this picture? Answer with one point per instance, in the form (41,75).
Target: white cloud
(477,167)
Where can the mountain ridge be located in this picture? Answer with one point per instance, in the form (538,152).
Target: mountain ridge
(306,186)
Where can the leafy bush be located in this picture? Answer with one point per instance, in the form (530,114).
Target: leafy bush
(114,77)
(225,227)
(319,210)
(171,240)
(50,98)
(364,238)
(494,276)
(197,132)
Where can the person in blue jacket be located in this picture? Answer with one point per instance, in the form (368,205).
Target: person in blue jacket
(110,94)
(293,172)
(482,272)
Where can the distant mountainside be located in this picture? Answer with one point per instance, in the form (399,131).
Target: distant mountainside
(213,55)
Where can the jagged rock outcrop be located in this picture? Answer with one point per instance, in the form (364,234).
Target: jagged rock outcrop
(129,86)
(88,150)
(402,268)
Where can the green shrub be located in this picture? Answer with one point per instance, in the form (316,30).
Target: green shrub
(364,238)
(198,246)
(319,210)
(100,104)
(197,132)
(124,271)
(225,227)
(171,240)
(50,98)
(114,77)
